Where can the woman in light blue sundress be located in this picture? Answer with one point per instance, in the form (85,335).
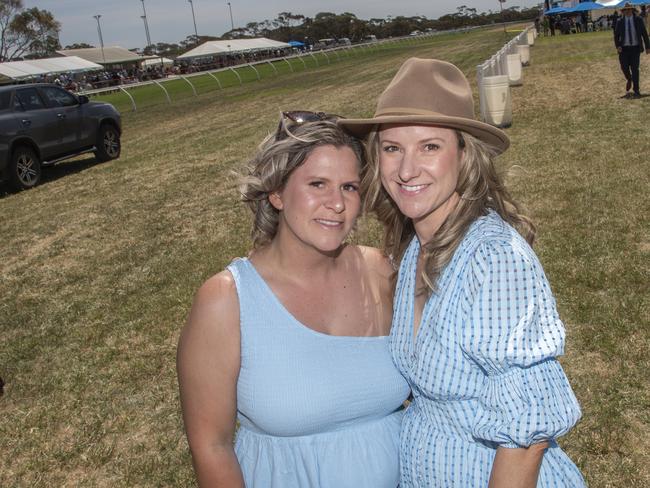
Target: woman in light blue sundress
(475,326)
(292,341)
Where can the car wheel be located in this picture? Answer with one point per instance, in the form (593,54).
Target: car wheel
(25,168)
(108,143)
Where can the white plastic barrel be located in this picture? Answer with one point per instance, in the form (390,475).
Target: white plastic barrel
(524,53)
(531,37)
(515,73)
(498,104)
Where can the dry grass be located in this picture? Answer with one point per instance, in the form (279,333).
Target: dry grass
(100,262)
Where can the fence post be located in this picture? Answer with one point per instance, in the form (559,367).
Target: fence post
(217,79)
(256,72)
(274,69)
(317,63)
(236,74)
(189,83)
(169,100)
(130,97)
(290,67)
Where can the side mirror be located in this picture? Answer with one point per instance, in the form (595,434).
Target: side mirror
(83,99)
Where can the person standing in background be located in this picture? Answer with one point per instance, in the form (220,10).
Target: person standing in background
(630,37)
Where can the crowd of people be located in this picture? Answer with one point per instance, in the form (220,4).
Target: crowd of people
(112,77)
(134,73)
(550,25)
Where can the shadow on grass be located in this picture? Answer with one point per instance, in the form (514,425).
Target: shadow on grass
(630,96)
(53,173)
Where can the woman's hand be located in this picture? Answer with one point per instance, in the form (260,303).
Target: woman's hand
(208,363)
(517,468)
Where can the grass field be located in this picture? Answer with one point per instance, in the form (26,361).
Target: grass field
(177,89)
(100,262)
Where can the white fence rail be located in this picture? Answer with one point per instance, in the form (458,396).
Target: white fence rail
(497,65)
(331,55)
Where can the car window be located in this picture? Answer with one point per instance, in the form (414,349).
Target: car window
(5,99)
(57,97)
(29,99)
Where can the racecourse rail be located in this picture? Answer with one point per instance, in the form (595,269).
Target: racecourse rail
(328,54)
(498,65)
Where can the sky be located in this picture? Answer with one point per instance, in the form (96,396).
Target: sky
(171,20)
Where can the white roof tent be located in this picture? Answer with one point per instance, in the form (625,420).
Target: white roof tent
(157,62)
(108,55)
(22,70)
(214,48)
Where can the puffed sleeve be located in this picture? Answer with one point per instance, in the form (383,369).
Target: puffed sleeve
(513,332)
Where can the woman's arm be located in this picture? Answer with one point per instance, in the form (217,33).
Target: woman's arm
(208,363)
(517,468)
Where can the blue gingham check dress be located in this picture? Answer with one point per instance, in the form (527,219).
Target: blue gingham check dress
(482,366)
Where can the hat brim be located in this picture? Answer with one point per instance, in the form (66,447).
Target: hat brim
(485,132)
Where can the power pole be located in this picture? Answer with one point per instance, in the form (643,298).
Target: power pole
(232,24)
(101,39)
(194,19)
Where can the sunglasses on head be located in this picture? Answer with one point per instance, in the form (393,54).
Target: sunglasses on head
(298,117)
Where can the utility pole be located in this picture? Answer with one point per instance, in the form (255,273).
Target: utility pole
(144,19)
(146,24)
(194,19)
(101,39)
(503,21)
(232,24)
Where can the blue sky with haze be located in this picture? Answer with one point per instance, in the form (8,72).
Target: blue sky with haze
(171,20)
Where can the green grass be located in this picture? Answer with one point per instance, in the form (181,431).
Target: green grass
(152,94)
(100,262)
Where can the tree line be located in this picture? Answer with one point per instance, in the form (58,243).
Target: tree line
(327,25)
(34,33)
(288,26)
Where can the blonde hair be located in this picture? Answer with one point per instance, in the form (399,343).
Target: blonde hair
(277,157)
(480,187)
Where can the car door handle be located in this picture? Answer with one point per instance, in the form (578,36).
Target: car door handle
(26,122)
(61,116)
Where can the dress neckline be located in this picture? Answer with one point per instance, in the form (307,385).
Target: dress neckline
(413,253)
(297,323)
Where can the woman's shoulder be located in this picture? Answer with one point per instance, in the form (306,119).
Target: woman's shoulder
(217,294)
(492,246)
(493,235)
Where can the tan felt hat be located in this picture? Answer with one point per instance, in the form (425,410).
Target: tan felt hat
(429,91)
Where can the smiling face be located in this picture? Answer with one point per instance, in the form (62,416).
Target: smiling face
(320,202)
(419,167)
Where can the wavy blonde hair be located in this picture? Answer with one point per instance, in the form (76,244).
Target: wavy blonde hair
(277,157)
(480,187)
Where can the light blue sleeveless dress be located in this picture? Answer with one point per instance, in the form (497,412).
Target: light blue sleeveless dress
(315,410)
(483,365)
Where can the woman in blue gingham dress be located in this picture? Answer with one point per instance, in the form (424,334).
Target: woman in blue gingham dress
(475,328)
(482,365)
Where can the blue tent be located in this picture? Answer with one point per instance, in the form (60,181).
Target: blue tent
(296,43)
(555,11)
(584,7)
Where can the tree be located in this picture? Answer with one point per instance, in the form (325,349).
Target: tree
(26,32)
(79,45)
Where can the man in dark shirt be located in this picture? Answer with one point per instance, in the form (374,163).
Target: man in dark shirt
(630,37)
